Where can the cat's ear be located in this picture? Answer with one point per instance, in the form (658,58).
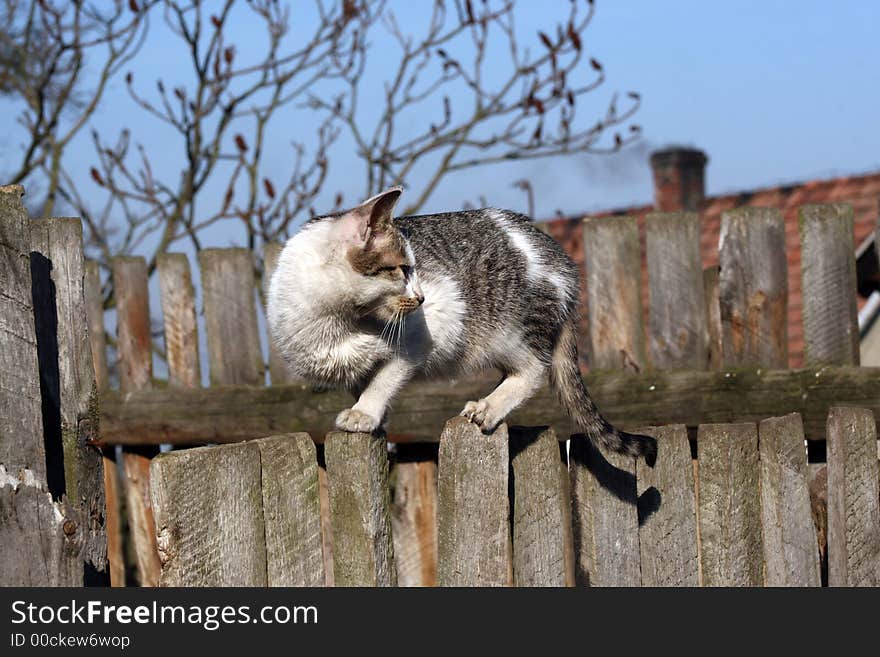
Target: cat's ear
(376,213)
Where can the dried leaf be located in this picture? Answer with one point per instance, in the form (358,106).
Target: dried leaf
(575,37)
(470,11)
(634,95)
(570,97)
(241,143)
(133,5)
(546,40)
(178,91)
(270,190)
(96,176)
(128,78)
(229,54)
(595,64)
(216,22)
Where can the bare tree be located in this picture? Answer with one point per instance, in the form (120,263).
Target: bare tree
(312,62)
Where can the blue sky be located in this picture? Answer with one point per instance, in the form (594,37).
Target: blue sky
(773,91)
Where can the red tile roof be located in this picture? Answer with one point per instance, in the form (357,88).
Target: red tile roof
(862,192)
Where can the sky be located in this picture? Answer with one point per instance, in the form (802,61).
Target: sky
(772,91)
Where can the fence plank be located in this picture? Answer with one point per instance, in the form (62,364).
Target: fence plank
(357,472)
(604,516)
(97,337)
(678,333)
(474,511)
(209,518)
(791,550)
(828,272)
(21,440)
(711,288)
(753,290)
(278,372)
(613,277)
(667,511)
(729,505)
(70,396)
(231,317)
(179,314)
(134,349)
(326,527)
(543,553)
(853,506)
(291,510)
(31,537)
(414,514)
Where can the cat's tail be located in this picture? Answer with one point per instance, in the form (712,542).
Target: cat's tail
(565,377)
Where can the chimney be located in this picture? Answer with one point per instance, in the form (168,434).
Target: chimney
(679,179)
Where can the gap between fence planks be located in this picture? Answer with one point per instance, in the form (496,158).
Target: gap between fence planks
(853,499)
(135,363)
(613,281)
(753,288)
(677,329)
(357,473)
(474,512)
(414,514)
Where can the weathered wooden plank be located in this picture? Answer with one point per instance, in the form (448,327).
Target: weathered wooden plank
(678,332)
(543,552)
(231,317)
(113,525)
(68,388)
(291,510)
(711,288)
(605,519)
(791,551)
(179,314)
(613,278)
(667,511)
(819,511)
(474,511)
(208,505)
(730,505)
(853,499)
(679,397)
(134,348)
(753,290)
(414,514)
(278,372)
(828,271)
(21,431)
(357,472)
(95,313)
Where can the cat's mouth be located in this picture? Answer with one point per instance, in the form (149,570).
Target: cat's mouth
(406,305)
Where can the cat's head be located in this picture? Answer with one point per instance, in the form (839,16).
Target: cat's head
(373,260)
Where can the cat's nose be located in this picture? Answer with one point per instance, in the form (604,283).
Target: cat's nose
(420,298)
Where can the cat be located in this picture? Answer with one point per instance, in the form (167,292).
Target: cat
(368,302)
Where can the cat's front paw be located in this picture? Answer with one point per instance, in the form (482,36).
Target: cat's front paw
(354,420)
(480,413)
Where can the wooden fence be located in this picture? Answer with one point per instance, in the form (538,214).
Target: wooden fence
(708,353)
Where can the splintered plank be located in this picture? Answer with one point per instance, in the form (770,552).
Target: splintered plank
(474,512)
(730,505)
(753,290)
(291,510)
(542,542)
(828,271)
(679,337)
(70,395)
(278,372)
(604,515)
(414,514)
(179,313)
(357,471)
(853,506)
(791,551)
(613,277)
(667,511)
(231,317)
(134,348)
(209,519)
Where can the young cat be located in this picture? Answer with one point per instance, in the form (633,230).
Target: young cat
(368,302)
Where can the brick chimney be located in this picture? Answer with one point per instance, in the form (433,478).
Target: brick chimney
(679,181)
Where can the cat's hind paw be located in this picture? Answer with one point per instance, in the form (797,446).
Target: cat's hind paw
(356,421)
